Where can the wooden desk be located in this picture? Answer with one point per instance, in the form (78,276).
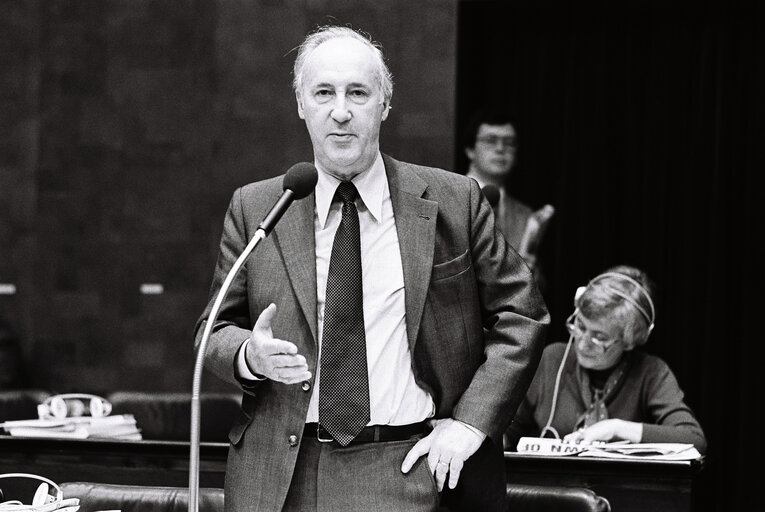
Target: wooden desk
(118,462)
(627,484)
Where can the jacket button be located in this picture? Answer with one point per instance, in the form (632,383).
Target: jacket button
(293,440)
(306,386)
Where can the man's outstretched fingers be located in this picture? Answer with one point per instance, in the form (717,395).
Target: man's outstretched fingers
(418,450)
(455,468)
(442,469)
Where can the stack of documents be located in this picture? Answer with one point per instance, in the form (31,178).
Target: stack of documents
(120,426)
(617,450)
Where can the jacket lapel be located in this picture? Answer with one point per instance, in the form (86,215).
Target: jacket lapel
(416,229)
(294,237)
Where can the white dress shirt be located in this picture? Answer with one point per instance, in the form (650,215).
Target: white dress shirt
(394,396)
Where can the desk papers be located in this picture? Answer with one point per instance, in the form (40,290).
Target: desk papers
(615,450)
(120,426)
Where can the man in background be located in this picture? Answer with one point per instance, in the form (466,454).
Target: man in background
(491,144)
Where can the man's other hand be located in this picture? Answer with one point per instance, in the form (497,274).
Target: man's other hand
(448,446)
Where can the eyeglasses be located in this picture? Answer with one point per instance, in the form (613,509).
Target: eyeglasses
(578,333)
(505,142)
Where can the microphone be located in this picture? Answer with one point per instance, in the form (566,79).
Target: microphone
(492,194)
(298,183)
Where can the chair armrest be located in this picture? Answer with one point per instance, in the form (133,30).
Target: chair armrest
(136,498)
(538,498)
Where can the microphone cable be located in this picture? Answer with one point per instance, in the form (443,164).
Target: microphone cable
(548,426)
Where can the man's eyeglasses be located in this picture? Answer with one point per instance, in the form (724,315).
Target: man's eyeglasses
(578,333)
(494,140)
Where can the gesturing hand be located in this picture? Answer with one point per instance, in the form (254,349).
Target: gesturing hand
(448,446)
(271,357)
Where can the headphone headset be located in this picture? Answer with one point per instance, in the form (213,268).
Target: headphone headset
(73,405)
(47,498)
(624,277)
(579,292)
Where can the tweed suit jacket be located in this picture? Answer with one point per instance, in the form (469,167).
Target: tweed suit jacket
(475,319)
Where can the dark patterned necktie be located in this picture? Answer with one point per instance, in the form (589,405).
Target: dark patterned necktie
(344,385)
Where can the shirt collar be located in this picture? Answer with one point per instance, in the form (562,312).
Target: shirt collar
(371,185)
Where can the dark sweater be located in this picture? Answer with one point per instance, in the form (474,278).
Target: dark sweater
(650,395)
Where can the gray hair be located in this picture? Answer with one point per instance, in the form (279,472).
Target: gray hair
(603,298)
(326,33)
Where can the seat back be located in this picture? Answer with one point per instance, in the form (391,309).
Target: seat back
(21,404)
(167,416)
(541,498)
(135,498)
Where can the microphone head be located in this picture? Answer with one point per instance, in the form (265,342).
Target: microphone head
(492,194)
(301,179)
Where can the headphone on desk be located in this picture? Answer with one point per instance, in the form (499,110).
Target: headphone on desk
(649,318)
(72,405)
(47,498)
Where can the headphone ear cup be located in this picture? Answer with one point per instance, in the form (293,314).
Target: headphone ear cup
(100,408)
(579,293)
(41,495)
(58,408)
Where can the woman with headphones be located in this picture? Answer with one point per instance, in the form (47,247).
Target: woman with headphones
(600,386)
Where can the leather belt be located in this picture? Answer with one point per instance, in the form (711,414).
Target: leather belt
(370,434)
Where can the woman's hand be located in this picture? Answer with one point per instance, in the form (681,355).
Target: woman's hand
(608,430)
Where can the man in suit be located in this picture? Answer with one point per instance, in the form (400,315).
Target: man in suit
(491,143)
(451,321)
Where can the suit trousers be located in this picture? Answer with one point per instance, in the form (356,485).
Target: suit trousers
(365,476)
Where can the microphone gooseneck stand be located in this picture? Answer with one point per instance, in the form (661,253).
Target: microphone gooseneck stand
(199,364)
(299,181)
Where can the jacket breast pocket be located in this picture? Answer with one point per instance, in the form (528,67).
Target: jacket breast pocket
(451,268)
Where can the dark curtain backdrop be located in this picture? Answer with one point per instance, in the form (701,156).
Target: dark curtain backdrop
(644,128)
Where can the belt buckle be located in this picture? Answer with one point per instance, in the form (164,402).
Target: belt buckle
(318,435)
